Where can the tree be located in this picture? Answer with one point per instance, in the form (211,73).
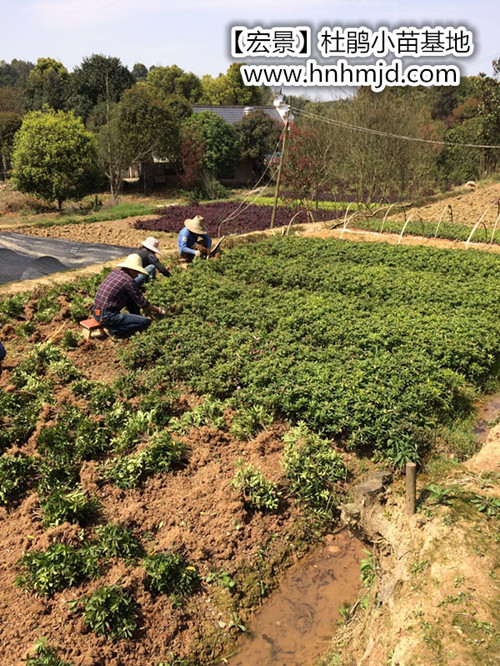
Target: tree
(221,149)
(139,72)
(48,83)
(99,79)
(228,89)
(54,156)
(258,136)
(172,80)
(305,169)
(14,73)
(139,129)
(179,107)
(192,152)
(9,124)
(11,99)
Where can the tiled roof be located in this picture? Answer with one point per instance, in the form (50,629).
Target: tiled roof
(233,114)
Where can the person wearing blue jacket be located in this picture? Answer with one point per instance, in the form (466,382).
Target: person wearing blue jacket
(194,233)
(3,354)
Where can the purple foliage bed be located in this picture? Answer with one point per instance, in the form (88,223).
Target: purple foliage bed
(224,217)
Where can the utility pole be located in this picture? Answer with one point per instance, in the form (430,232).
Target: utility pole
(278,177)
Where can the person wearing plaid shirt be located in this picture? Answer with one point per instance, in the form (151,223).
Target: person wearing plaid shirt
(119,291)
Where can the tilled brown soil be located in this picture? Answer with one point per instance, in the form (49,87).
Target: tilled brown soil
(193,509)
(114,232)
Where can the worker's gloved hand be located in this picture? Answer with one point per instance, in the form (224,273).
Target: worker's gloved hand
(162,311)
(197,253)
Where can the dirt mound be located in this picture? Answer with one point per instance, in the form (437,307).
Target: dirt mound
(467,206)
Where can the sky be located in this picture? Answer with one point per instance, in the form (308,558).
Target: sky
(195,34)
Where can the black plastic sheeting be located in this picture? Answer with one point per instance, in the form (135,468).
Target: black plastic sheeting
(26,257)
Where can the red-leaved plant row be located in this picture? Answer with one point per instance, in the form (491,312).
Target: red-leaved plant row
(222,217)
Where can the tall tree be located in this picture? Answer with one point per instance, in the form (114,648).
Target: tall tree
(47,84)
(139,129)
(9,124)
(258,136)
(99,79)
(14,73)
(229,90)
(221,148)
(11,99)
(139,72)
(172,80)
(54,156)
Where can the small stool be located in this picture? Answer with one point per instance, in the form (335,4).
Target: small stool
(92,329)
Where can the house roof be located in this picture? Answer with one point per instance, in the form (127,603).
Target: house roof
(233,114)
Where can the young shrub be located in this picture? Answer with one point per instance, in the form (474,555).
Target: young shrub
(127,472)
(248,422)
(70,339)
(73,506)
(26,329)
(139,423)
(80,308)
(111,612)
(171,573)
(46,309)
(258,492)
(13,307)
(313,469)
(368,570)
(115,540)
(15,473)
(158,457)
(45,655)
(210,412)
(45,573)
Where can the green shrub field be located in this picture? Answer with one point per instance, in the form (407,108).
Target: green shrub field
(371,349)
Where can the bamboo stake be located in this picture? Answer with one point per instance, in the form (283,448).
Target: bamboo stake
(411,488)
(278,178)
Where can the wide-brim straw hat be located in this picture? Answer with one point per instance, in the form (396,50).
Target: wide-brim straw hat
(151,244)
(196,225)
(134,262)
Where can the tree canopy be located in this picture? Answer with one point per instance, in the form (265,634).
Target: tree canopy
(221,149)
(98,79)
(54,156)
(229,89)
(258,136)
(172,80)
(47,83)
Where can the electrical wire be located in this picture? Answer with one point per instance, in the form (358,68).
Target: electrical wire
(259,191)
(358,128)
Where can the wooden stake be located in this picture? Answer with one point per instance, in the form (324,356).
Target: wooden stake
(278,178)
(411,488)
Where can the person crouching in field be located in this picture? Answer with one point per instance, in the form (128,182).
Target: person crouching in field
(3,354)
(193,240)
(119,291)
(150,262)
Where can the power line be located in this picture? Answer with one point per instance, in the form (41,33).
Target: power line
(358,128)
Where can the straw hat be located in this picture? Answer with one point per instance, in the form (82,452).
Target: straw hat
(151,244)
(196,225)
(134,262)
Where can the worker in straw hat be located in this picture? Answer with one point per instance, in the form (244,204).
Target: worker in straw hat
(119,291)
(148,252)
(193,240)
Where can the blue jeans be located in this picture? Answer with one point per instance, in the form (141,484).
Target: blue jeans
(3,353)
(142,279)
(122,323)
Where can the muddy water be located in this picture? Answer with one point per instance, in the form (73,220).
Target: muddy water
(296,624)
(488,411)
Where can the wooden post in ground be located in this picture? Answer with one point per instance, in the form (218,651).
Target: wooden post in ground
(411,488)
(278,178)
